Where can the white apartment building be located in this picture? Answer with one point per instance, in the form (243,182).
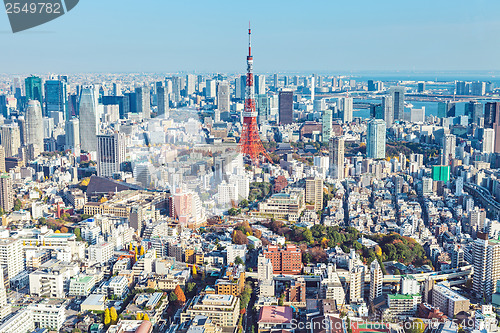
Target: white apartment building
(50,316)
(11,256)
(233,251)
(81,285)
(100,253)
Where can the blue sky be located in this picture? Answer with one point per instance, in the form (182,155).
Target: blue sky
(289,36)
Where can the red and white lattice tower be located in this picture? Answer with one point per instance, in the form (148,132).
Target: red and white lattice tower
(250,143)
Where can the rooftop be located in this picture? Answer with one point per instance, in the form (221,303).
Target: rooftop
(275,314)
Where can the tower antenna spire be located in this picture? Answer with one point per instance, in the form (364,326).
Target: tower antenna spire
(250,143)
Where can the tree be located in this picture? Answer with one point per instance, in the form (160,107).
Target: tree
(172,297)
(397,272)
(232,212)
(113,315)
(238,261)
(378,250)
(17,205)
(130,247)
(142,251)
(181,298)
(190,287)
(64,230)
(417,326)
(107,318)
(239,237)
(139,316)
(146,317)
(307,234)
(244,203)
(78,234)
(194,270)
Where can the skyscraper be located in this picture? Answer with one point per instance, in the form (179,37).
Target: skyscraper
(314,192)
(33,86)
(10,139)
(223,99)
(447,109)
(376,277)
(488,145)
(2,160)
(56,97)
(285,107)
(388,110)
(34,124)
(474,110)
(345,107)
(398,99)
(240,87)
(163,103)
(276,82)
(326,125)
(260,84)
(6,195)
(87,107)
(210,88)
(110,153)
(190,84)
(337,157)
(375,139)
(486,259)
(491,114)
(72,129)
(449,144)
(143,101)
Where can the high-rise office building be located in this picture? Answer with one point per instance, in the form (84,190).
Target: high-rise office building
(72,129)
(398,101)
(488,145)
(337,158)
(486,259)
(110,153)
(223,99)
(388,110)
(375,139)
(190,84)
(376,279)
(285,107)
(176,88)
(117,89)
(210,88)
(56,97)
(11,140)
(6,194)
(491,114)
(163,102)
(461,88)
(345,108)
(260,84)
(314,192)
(276,82)
(474,110)
(326,121)
(449,144)
(478,88)
(447,109)
(143,101)
(240,87)
(34,124)
(33,86)
(87,107)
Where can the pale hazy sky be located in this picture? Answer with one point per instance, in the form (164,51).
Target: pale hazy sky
(292,36)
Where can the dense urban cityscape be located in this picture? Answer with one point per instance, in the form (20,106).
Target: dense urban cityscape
(275,202)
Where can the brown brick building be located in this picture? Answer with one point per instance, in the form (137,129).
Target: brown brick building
(286,260)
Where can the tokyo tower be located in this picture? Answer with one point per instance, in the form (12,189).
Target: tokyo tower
(250,143)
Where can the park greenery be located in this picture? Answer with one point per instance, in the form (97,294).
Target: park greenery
(391,247)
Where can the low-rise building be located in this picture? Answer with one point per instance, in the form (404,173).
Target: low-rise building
(275,318)
(223,310)
(81,286)
(448,301)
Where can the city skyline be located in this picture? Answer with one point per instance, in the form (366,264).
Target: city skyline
(370,36)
